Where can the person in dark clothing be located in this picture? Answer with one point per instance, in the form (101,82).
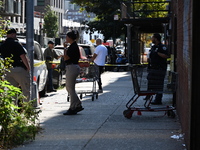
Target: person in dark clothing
(157,68)
(49,55)
(71,57)
(19,74)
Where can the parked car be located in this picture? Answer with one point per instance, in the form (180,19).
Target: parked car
(89,49)
(111,58)
(40,69)
(82,51)
(58,69)
(120,49)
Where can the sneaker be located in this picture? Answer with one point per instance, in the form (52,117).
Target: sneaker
(70,112)
(80,108)
(100,91)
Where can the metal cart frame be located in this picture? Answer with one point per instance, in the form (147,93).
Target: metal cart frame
(137,71)
(89,73)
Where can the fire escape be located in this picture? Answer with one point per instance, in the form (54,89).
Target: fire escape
(144,17)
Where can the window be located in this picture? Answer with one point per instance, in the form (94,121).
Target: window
(40,2)
(37,52)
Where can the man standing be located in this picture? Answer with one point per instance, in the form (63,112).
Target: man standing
(19,75)
(49,55)
(157,67)
(99,59)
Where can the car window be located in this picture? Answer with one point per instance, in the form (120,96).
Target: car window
(59,47)
(37,52)
(92,49)
(58,52)
(87,50)
(83,52)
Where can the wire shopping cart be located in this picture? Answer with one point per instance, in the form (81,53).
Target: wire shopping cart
(148,82)
(88,73)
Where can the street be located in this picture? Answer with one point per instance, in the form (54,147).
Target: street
(101,125)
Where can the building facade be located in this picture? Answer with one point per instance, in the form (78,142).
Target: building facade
(56,5)
(14,12)
(185,44)
(73,13)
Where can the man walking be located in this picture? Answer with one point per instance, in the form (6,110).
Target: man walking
(99,59)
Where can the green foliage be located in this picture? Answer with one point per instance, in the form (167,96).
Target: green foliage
(3,25)
(104,22)
(149,8)
(105,11)
(50,23)
(17,124)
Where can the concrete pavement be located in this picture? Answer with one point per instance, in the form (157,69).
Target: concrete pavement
(101,125)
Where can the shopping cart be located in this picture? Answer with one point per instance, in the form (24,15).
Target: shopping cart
(148,82)
(88,73)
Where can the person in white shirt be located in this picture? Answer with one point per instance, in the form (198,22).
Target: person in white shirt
(99,59)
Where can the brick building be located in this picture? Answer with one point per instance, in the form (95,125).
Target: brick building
(182,31)
(185,43)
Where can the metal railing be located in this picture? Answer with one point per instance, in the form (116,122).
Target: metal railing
(141,10)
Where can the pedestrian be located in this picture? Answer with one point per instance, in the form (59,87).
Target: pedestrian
(19,75)
(99,59)
(157,68)
(49,55)
(71,57)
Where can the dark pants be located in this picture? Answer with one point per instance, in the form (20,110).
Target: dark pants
(50,82)
(156,82)
(100,71)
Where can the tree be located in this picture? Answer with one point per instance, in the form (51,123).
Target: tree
(104,22)
(50,22)
(106,9)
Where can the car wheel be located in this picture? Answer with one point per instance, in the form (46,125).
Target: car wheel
(44,91)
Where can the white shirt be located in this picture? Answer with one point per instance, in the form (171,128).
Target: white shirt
(101,52)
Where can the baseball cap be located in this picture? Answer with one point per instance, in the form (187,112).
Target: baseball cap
(12,30)
(50,42)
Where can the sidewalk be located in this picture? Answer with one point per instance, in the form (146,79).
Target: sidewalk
(101,125)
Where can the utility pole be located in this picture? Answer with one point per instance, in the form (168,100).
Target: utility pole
(29,42)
